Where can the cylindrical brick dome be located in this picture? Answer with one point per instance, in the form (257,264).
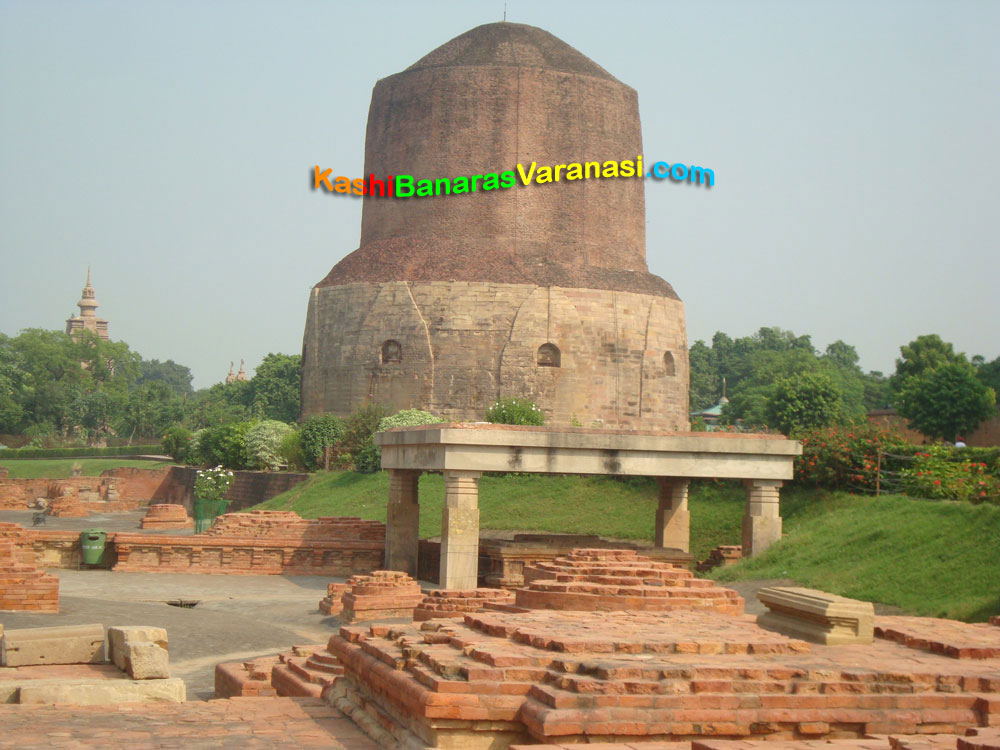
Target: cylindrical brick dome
(500,95)
(538,291)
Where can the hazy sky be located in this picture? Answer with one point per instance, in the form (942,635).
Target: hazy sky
(856,147)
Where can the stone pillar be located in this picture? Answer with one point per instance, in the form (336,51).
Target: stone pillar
(761,522)
(460,530)
(402,522)
(673,519)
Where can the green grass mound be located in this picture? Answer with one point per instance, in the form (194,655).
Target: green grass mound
(929,558)
(618,509)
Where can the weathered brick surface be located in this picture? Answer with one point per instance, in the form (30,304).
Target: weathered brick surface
(166,516)
(302,672)
(612,580)
(666,676)
(456,603)
(383,594)
(22,585)
(68,506)
(236,723)
(959,640)
(333,603)
(977,739)
(502,561)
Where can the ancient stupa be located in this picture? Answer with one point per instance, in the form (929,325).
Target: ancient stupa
(539,291)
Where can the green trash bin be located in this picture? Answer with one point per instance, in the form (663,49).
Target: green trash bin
(205,513)
(93,542)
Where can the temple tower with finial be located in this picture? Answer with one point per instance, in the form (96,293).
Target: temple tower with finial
(538,291)
(87,319)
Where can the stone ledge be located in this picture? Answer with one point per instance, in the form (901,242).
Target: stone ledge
(816,615)
(103,692)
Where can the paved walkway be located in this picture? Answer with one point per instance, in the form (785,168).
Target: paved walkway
(237,723)
(236,617)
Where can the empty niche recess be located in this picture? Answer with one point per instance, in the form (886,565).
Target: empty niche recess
(549,356)
(392,352)
(669,367)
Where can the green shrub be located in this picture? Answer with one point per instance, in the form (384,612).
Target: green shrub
(175,442)
(370,457)
(130,450)
(291,451)
(316,435)
(937,474)
(515,411)
(408,418)
(223,445)
(263,444)
(358,431)
(194,448)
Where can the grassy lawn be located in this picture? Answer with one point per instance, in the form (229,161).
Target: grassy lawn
(929,558)
(939,559)
(529,502)
(62,468)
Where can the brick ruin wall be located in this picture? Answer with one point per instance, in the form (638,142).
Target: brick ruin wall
(138,487)
(623,358)
(135,487)
(259,543)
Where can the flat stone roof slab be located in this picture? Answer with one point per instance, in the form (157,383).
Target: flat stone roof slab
(478,446)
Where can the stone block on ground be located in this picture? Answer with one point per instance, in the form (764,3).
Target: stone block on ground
(105,692)
(816,615)
(610,580)
(140,651)
(68,644)
(383,594)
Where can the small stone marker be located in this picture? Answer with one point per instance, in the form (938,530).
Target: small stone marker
(816,616)
(68,644)
(140,651)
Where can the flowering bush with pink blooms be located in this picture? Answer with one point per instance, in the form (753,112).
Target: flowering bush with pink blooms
(940,474)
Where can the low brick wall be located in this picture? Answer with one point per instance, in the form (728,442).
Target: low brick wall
(260,543)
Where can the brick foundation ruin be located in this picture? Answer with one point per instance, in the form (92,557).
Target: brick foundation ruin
(260,543)
(611,580)
(667,676)
(383,594)
(456,603)
(23,587)
(166,516)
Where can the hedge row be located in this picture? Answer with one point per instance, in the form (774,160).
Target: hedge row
(124,450)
